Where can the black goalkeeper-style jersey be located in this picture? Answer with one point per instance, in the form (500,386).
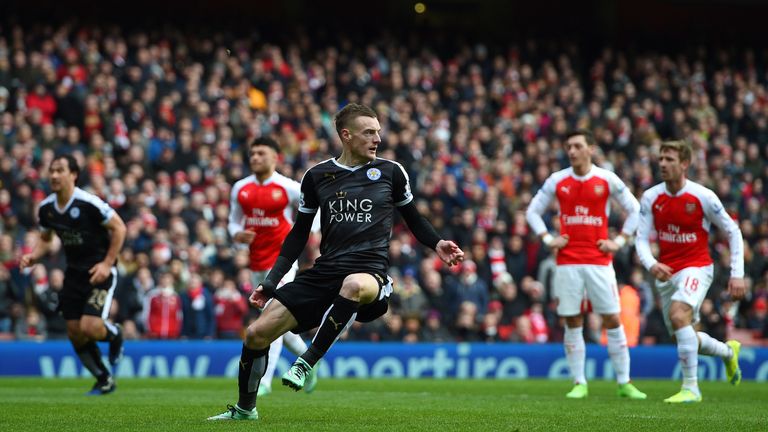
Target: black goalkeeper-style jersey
(80,226)
(357,205)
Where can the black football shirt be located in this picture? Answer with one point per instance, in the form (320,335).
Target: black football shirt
(80,226)
(356,211)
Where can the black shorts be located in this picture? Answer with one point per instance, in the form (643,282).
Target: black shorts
(313,291)
(78,297)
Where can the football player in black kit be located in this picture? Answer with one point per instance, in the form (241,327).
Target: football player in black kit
(92,235)
(356,195)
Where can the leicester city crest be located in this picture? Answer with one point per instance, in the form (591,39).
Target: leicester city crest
(374,173)
(74,213)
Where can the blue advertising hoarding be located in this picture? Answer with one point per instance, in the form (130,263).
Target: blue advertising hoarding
(370,360)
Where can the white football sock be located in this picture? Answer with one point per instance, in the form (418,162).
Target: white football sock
(713,347)
(294,343)
(275,348)
(687,352)
(575,353)
(619,353)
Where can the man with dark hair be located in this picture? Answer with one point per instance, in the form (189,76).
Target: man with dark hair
(680,212)
(585,255)
(260,216)
(356,194)
(92,235)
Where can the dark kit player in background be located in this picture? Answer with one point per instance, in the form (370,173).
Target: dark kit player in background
(92,235)
(356,194)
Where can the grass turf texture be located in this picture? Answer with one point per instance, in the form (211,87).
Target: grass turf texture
(31,404)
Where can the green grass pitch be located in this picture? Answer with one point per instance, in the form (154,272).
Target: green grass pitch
(340,405)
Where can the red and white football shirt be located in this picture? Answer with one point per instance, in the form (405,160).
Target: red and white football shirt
(681,224)
(266,209)
(584,210)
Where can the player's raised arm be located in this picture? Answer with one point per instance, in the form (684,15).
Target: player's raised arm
(424,232)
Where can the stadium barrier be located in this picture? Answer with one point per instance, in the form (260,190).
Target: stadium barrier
(183,359)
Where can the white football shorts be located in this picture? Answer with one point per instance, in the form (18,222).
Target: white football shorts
(574,282)
(689,286)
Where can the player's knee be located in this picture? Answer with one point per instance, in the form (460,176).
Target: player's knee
(256,338)
(91,331)
(75,335)
(351,289)
(611,321)
(679,318)
(574,321)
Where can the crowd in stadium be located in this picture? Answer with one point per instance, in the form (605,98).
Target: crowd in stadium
(160,123)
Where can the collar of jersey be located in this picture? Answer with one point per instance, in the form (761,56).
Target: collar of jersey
(67,205)
(585,176)
(354,168)
(269,179)
(682,190)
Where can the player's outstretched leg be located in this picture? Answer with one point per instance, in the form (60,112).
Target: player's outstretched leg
(732,369)
(297,375)
(296,345)
(337,318)
(728,351)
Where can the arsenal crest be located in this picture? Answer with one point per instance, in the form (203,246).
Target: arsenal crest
(599,190)
(277,194)
(690,207)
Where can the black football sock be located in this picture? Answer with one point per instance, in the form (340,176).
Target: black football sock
(341,313)
(253,364)
(90,356)
(112,331)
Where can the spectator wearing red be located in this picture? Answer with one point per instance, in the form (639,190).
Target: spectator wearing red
(231,310)
(163,310)
(41,100)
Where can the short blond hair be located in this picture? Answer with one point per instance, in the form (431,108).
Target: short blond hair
(682,147)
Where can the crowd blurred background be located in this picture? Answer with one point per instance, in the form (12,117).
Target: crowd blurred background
(160,118)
